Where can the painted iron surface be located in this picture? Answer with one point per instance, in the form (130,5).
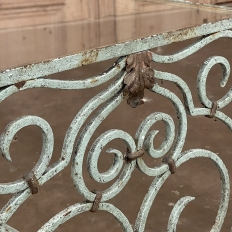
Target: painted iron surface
(16,80)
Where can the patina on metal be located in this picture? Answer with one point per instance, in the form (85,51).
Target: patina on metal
(133,156)
(97,201)
(171,164)
(20,84)
(32,181)
(213,110)
(139,76)
(133,74)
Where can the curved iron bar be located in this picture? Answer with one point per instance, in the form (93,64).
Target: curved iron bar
(48,142)
(111,97)
(81,146)
(8,210)
(180,138)
(176,211)
(159,181)
(192,48)
(34,71)
(79,208)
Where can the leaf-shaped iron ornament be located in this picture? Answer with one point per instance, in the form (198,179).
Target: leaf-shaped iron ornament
(139,76)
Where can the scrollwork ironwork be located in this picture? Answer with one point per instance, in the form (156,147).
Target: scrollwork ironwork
(134,71)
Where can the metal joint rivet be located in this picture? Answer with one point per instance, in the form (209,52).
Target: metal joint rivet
(213,110)
(171,164)
(134,155)
(97,201)
(32,181)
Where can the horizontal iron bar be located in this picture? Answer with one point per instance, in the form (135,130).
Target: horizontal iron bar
(33,71)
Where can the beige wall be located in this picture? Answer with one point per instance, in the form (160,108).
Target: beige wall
(37,30)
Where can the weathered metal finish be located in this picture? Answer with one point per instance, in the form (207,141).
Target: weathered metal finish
(96,202)
(213,110)
(35,71)
(176,211)
(133,156)
(159,181)
(15,80)
(171,164)
(6,228)
(82,207)
(32,182)
(139,76)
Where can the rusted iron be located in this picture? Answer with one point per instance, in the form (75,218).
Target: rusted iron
(67,213)
(20,84)
(97,200)
(89,57)
(171,164)
(32,181)
(139,76)
(134,155)
(108,52)
(213,110)
(132,82)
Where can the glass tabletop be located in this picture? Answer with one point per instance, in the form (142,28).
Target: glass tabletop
(213,2)
(34,31)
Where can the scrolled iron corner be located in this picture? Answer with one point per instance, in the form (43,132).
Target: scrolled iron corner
(139,76)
